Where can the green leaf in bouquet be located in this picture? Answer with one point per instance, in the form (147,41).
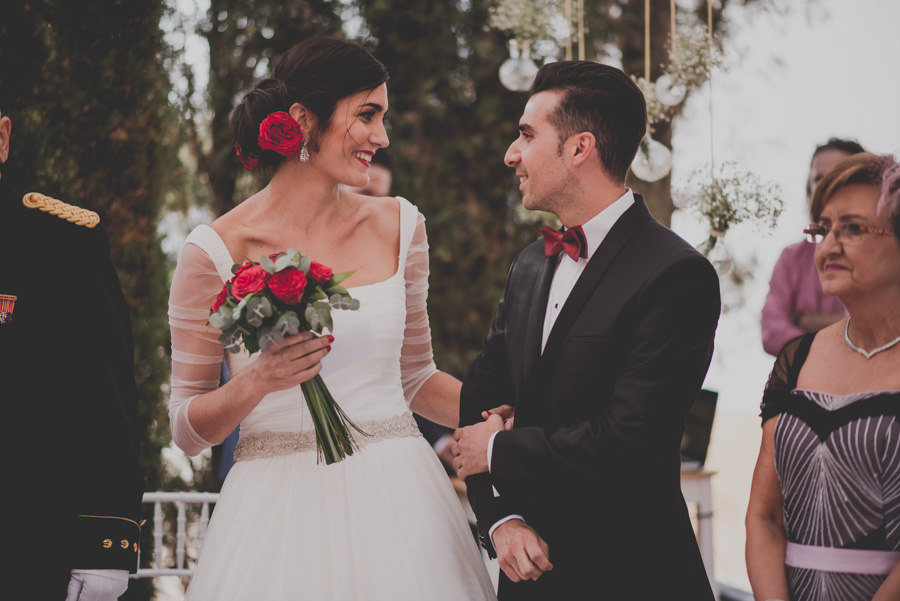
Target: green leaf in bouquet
(222,318)
(318,316)
(231,341)
(317,294)
(285,261)
(340,277)
(236,312)
(269,336)
(267,264)
(304,264)
(288,324)
(338,290)
(258,309)
(344,302)
(251,343)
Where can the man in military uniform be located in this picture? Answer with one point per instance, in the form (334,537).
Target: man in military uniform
(69,400)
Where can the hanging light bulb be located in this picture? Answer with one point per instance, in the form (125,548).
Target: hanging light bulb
(668,92)
(518,71)
(653,161)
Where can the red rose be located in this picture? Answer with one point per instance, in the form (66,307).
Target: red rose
(244,267)
(279,132)
(288,285)
(248,280)
(220,300)
(319,272)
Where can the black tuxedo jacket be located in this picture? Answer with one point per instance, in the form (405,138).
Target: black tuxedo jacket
(593,463)
(70,402)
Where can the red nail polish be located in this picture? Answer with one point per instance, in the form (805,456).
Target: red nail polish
(330,338)
(328,347)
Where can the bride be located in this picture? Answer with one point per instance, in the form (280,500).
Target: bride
(385,522)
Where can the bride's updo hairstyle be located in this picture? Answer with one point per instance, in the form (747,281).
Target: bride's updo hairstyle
(317,73)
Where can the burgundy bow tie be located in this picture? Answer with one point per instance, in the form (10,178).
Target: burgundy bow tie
(572,241)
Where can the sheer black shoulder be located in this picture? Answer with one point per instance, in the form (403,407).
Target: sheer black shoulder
(783,378)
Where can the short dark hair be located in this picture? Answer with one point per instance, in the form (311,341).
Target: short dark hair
(851,147)
(317,72)
(601,100)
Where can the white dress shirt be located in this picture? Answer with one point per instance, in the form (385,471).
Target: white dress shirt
(564,278)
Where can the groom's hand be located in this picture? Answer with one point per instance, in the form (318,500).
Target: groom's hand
(470,448)
(521,552)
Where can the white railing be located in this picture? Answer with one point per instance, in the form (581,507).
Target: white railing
(183,534)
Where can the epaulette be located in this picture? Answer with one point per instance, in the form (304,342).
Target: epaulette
(76,215)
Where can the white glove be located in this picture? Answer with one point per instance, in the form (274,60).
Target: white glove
(97,585)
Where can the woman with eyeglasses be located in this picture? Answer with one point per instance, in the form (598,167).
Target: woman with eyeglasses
(823,520)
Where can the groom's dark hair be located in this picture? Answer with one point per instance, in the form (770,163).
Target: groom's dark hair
(602,101)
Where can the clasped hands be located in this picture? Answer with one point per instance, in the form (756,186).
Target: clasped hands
(521,553)
(470,447)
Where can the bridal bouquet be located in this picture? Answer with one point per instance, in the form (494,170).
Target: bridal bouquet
(281,295)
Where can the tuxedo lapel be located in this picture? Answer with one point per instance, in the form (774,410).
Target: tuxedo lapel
(534,331)
(626,226)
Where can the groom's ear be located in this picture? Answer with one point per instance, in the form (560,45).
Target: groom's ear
(581,147)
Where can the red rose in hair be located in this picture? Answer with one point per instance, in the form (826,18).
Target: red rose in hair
(220,300)
(279,132)
(288,285)
(319,272)
(248,280)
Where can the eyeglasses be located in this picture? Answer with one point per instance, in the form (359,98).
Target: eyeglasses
(849,232)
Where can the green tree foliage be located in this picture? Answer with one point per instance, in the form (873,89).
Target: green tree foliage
(87,92)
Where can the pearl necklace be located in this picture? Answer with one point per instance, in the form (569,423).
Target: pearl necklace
(863,352)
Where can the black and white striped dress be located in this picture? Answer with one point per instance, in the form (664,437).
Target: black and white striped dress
(838,463)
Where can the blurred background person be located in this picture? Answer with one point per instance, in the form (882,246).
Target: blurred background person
(380,176)
(796,304)
(823,520)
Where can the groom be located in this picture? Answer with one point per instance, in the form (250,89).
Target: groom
(601,342)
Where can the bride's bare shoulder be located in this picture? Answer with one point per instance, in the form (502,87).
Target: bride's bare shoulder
(379,213)
(235,227)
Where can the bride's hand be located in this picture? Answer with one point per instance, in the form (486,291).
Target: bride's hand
(292,362)
(507,412)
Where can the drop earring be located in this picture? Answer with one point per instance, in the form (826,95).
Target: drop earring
(304,153)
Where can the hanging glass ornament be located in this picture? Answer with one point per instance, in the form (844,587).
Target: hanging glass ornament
(653,161)
(668,92)
(718,254)
(518,71)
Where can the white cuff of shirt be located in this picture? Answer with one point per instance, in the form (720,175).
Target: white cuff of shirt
(490,451)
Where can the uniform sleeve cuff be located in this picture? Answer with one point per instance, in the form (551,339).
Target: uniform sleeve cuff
(105,543)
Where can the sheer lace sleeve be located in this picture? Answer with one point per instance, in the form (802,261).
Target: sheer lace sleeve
(783,378)
(196,350)
(416,357)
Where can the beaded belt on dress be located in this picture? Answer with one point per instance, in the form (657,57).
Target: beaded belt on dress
(260,445)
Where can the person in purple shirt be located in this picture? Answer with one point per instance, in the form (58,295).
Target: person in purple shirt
(796,304)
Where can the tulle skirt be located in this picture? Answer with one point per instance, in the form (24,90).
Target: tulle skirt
(384,524)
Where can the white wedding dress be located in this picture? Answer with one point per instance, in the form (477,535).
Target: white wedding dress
(385,523)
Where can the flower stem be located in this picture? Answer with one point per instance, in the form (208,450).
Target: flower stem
(334,441)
